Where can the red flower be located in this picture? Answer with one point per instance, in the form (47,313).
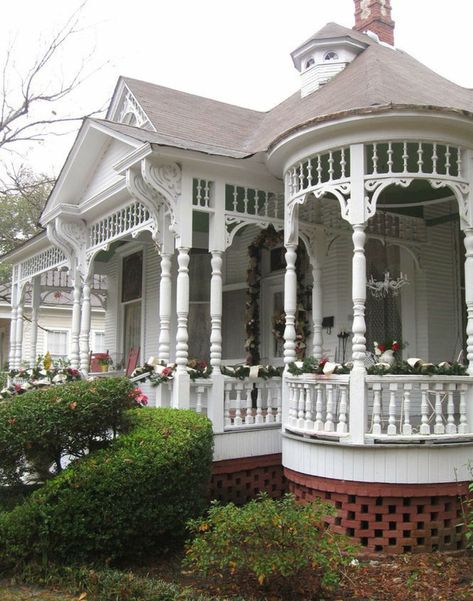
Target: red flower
(382,347)
(166,372)
(396,346)
(323,361)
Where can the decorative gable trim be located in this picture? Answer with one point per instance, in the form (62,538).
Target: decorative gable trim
(125,108)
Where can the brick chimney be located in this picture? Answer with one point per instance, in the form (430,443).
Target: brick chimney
(375,16)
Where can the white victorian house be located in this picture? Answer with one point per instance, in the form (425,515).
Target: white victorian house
(364,176)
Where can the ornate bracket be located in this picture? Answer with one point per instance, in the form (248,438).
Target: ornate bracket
(462,194)
(166,180)
(376,186)
(234,224)
(73,235)
(151,199)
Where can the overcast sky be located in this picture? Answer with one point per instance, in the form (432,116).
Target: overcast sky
(234,51)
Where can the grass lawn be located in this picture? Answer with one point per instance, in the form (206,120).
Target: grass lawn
(27,593)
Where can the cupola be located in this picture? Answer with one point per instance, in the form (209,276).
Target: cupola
(324,55)
(375,16)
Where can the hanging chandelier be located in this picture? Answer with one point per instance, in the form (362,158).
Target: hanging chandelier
(382,288)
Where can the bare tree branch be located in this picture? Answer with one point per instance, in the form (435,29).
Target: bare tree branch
(19,118)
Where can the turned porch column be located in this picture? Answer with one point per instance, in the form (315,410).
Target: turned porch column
(13,319)
(74,351)
(216,291)
(35,302)
(358,411)
(84,338)
(317,253)
(181,384)
(290,304)
(469,296)
(165,290)
(19,328)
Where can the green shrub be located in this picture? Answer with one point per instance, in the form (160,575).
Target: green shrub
(122,501)
(38,429)
(275,541)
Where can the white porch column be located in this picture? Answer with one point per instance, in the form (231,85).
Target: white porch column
(19,329)
(216,290)
(165,290)
(469,296)
(84,338)
(290,304)
(74,352)
(13,319)
(317,253)
(358,410)
(181,385)
(35,302)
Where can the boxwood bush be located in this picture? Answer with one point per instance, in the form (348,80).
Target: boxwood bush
(119,502)
(39,429)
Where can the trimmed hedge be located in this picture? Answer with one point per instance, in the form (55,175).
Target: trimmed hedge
(38,429)
(119,502)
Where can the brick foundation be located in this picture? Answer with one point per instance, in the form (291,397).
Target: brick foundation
(240,480)
(390,518)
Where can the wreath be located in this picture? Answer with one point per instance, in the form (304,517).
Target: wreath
(268,239)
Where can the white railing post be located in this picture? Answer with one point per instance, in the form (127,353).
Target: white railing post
(377,391)
(392,428)
(406,426)
(451,426)
(463,426)
(424,410)
(308,421)
(329,425)
(439,427)
(342,426)
(319,423)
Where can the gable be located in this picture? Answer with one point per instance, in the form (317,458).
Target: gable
(104,174)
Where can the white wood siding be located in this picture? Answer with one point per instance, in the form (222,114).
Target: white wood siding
(104,174)
(404,464)
(233,445)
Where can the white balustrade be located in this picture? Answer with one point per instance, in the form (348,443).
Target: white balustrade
(318,405)
(418,407)
(252,403)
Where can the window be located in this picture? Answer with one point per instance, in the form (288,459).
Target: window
(56,344)
(309,63)
(331,56)
(132,284)
(99,342)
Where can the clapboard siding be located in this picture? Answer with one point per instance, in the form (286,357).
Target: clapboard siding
(440,263)
(104,175)
(151,304)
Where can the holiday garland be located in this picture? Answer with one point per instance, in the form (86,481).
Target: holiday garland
(269,239)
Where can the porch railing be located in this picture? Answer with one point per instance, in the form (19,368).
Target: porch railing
(252,403)
(410,406)
(319,405)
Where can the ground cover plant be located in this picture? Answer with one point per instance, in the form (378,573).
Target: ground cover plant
(121,501)
(39,429)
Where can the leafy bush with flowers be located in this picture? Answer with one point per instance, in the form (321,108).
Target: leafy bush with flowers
(42,430)
(44,373)
(128,500)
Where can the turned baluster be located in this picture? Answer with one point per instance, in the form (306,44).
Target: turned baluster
(377,388)
(439,427)
(406,426)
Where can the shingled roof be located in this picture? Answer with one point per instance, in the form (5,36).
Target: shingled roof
(381,78)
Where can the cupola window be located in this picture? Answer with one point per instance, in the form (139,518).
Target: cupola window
(331,56)
(309,63)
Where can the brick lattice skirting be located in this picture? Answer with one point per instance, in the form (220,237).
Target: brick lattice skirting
(390,518)
(240,480)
